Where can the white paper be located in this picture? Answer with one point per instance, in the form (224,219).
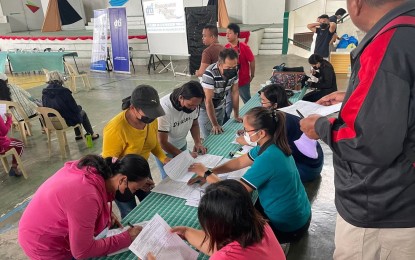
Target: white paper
(194,197)
(209,160)
(307,108)
(175,188)
(177,168)
(165,245)
(116,231)
(3,110)
(236,175)
(244,150)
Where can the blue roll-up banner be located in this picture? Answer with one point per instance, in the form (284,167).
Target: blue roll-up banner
(99,45)
(119,39)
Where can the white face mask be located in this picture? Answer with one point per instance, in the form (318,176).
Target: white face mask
(247,138)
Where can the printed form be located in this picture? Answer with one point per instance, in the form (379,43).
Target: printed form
(157,239)
(308,108)
(177,168)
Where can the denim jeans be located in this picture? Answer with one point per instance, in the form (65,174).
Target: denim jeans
(160,165)
(204,121)
(244,93)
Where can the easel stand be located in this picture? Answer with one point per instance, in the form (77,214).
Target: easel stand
(152,63)
(185,72)
(168,67)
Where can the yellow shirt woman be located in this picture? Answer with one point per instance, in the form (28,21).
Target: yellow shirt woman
(120,138)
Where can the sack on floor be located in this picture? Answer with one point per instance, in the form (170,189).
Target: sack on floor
(346,40)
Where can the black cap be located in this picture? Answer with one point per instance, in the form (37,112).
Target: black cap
(147,99)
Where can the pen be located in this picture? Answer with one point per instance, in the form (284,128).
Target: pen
(131,225)
(299,113)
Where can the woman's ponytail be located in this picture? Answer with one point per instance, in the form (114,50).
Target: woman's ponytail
(280,135)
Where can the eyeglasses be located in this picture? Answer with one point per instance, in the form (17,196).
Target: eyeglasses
(247,131)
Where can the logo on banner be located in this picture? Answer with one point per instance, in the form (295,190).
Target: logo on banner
(118,23)
(150,9)
(119,39)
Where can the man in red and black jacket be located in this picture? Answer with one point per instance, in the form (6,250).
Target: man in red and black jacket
(373,138)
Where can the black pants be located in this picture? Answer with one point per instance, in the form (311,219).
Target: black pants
(285,237)
(85,123)
(317,94)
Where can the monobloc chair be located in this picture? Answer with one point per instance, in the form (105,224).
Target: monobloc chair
(24,123)
(3,158)
(54,122)
(74,75)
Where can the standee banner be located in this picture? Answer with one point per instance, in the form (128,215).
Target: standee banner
(119,39)
(99,44)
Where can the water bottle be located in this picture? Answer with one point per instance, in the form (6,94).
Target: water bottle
(89,142)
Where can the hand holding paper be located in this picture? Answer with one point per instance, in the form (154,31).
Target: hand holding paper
(157,238)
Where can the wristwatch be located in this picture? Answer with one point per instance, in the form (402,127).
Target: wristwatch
(207,173)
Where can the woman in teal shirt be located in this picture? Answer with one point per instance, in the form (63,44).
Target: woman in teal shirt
(273,173)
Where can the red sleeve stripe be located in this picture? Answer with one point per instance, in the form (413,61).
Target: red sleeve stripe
(370,61)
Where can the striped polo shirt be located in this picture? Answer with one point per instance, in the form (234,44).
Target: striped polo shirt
(212,79)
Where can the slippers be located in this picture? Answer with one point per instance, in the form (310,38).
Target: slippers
(95,136)
(78,137)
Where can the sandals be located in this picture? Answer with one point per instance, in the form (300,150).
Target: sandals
(94,137)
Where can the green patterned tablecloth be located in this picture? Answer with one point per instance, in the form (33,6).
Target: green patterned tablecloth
(36,61)
(3,60)
(173,209)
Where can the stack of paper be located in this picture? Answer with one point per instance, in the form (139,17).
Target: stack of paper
(177,168)
(308,108)
(165,245)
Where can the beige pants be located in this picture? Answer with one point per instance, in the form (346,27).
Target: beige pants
(354,243)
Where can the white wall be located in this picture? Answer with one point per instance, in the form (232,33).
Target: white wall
(333,5)
(294,4)
(268,12)
(90,6)
(234,8)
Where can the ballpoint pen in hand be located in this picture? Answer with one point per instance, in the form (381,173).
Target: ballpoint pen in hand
(299,113)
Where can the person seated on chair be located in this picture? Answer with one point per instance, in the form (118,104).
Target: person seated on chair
(182,110)
(70,214)
(323,78)
(307,153)
(7,143)
(18,95)
(134,131)
(231,226)
(273,173)
(56,96)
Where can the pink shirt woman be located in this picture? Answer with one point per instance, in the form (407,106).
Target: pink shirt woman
(231,227)
(71,209)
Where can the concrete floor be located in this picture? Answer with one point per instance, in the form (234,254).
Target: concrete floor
(102,104)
